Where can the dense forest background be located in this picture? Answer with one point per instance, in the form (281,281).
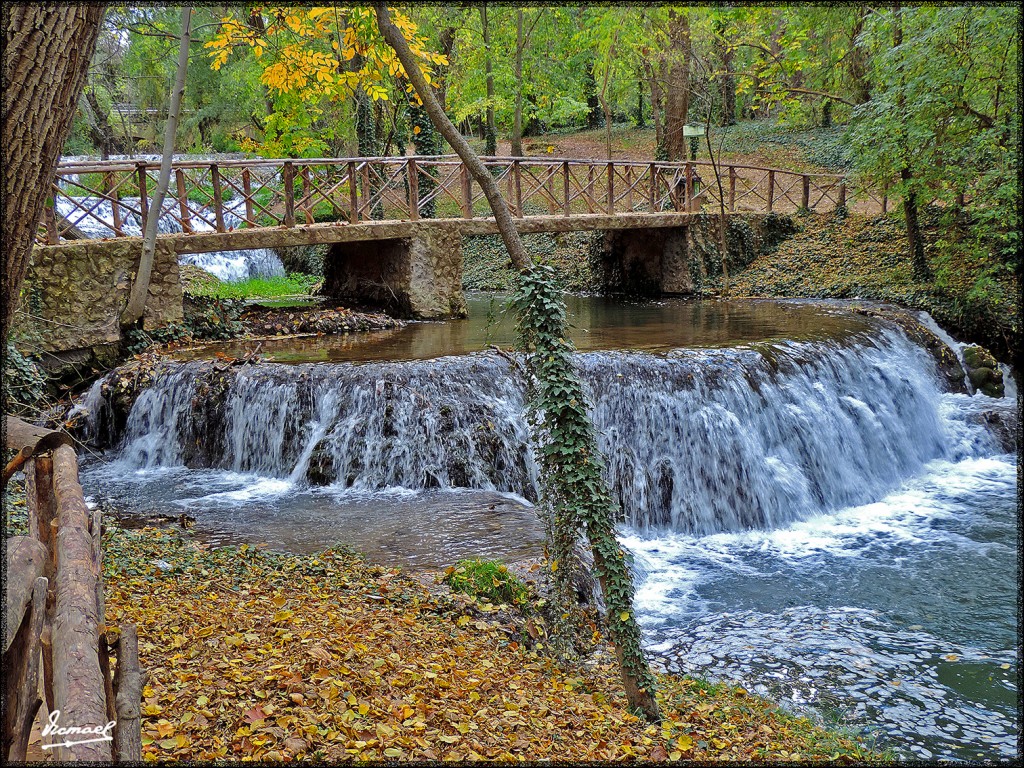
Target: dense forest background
(921,101)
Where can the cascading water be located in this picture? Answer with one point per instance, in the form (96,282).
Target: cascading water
(818,519)
(231,266)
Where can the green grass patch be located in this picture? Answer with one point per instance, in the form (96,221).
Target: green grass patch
(486,579)
(295,284)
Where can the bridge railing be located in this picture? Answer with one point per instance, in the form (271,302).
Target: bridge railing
(111,199)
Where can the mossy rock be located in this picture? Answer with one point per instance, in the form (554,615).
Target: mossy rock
(983,371)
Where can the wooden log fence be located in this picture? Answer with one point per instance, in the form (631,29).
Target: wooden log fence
(231,194)
(55,618)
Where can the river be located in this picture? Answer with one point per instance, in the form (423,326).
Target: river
(811,512)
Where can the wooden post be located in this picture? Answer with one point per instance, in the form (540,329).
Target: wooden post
(565,187)
(552,197)
(110,188)
(771,190)
(307,195)
(218,197)
(414,189)
(885,198)
(611,189)
(518,181)
(629,187)
(467,193)
(96,529)
(353,194)
(288,173)
(128,682)
(654,187)
(21,670)
(140,169)
(367,192)
(186,218)
(78,681)
(247,191)
(688,175)
(589,193)
(52,234)
(805,198)
(842,194)
(732,188)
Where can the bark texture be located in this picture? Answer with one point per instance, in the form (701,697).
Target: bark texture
(46,53)
(677,98)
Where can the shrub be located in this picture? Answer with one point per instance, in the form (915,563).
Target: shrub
(486,579)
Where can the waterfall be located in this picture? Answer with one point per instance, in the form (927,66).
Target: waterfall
(230,266)
(697,440)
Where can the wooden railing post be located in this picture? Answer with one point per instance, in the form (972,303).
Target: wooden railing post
(307,194)
(805,198)
(467,192)
(565,187)
(842,194)
(50,216)
(288,175)
(414,189)
(885,198)
(518,188)
(688,173)
(247,192)
(771,190)
(186,218)
(140,169)
(611,189)
(218,197)
(110,188)
(732,188)
(353,194)
(367,191)
(654,187)
(629,188)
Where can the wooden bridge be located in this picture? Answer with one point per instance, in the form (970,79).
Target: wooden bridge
(229,196)
(394,226)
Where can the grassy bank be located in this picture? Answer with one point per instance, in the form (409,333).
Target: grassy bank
(971,295)
(254,655)
(197,282)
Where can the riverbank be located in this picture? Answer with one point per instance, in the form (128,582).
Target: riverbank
(328,657)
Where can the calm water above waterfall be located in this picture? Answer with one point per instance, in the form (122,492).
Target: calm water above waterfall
(810,512)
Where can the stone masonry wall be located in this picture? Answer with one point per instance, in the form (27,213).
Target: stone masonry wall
(73,297)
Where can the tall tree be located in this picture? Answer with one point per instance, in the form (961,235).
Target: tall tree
(490,132)
(140,287)
(572,456)
(677,96)
(46,53)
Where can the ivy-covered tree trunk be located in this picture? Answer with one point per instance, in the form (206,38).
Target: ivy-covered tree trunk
(427,142)
(517,119)
(46,53)
(727,78)
(572,480)
(857,59)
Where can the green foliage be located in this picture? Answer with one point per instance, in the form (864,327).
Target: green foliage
(206,319)
(24,381)
(487,579)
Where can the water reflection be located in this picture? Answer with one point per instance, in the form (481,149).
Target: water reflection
(598,323)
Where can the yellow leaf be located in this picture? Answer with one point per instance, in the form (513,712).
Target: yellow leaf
(685,743)
(554,566)
(152,709)
(624,616)
(415,129)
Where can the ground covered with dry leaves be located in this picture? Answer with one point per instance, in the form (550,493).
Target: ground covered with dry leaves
(257,655)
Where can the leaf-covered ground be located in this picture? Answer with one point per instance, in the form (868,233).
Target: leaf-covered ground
(254,655)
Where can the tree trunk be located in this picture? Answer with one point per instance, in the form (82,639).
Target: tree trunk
(915,243)
(490,134)
(637,679)
(657,116)
(727,80)
(857,60)
(677,99)
(100,130)
(517,121)
(140,287)
(46,54)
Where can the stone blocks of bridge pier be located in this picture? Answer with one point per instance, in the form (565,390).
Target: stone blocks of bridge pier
(417,276)
(73,296)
